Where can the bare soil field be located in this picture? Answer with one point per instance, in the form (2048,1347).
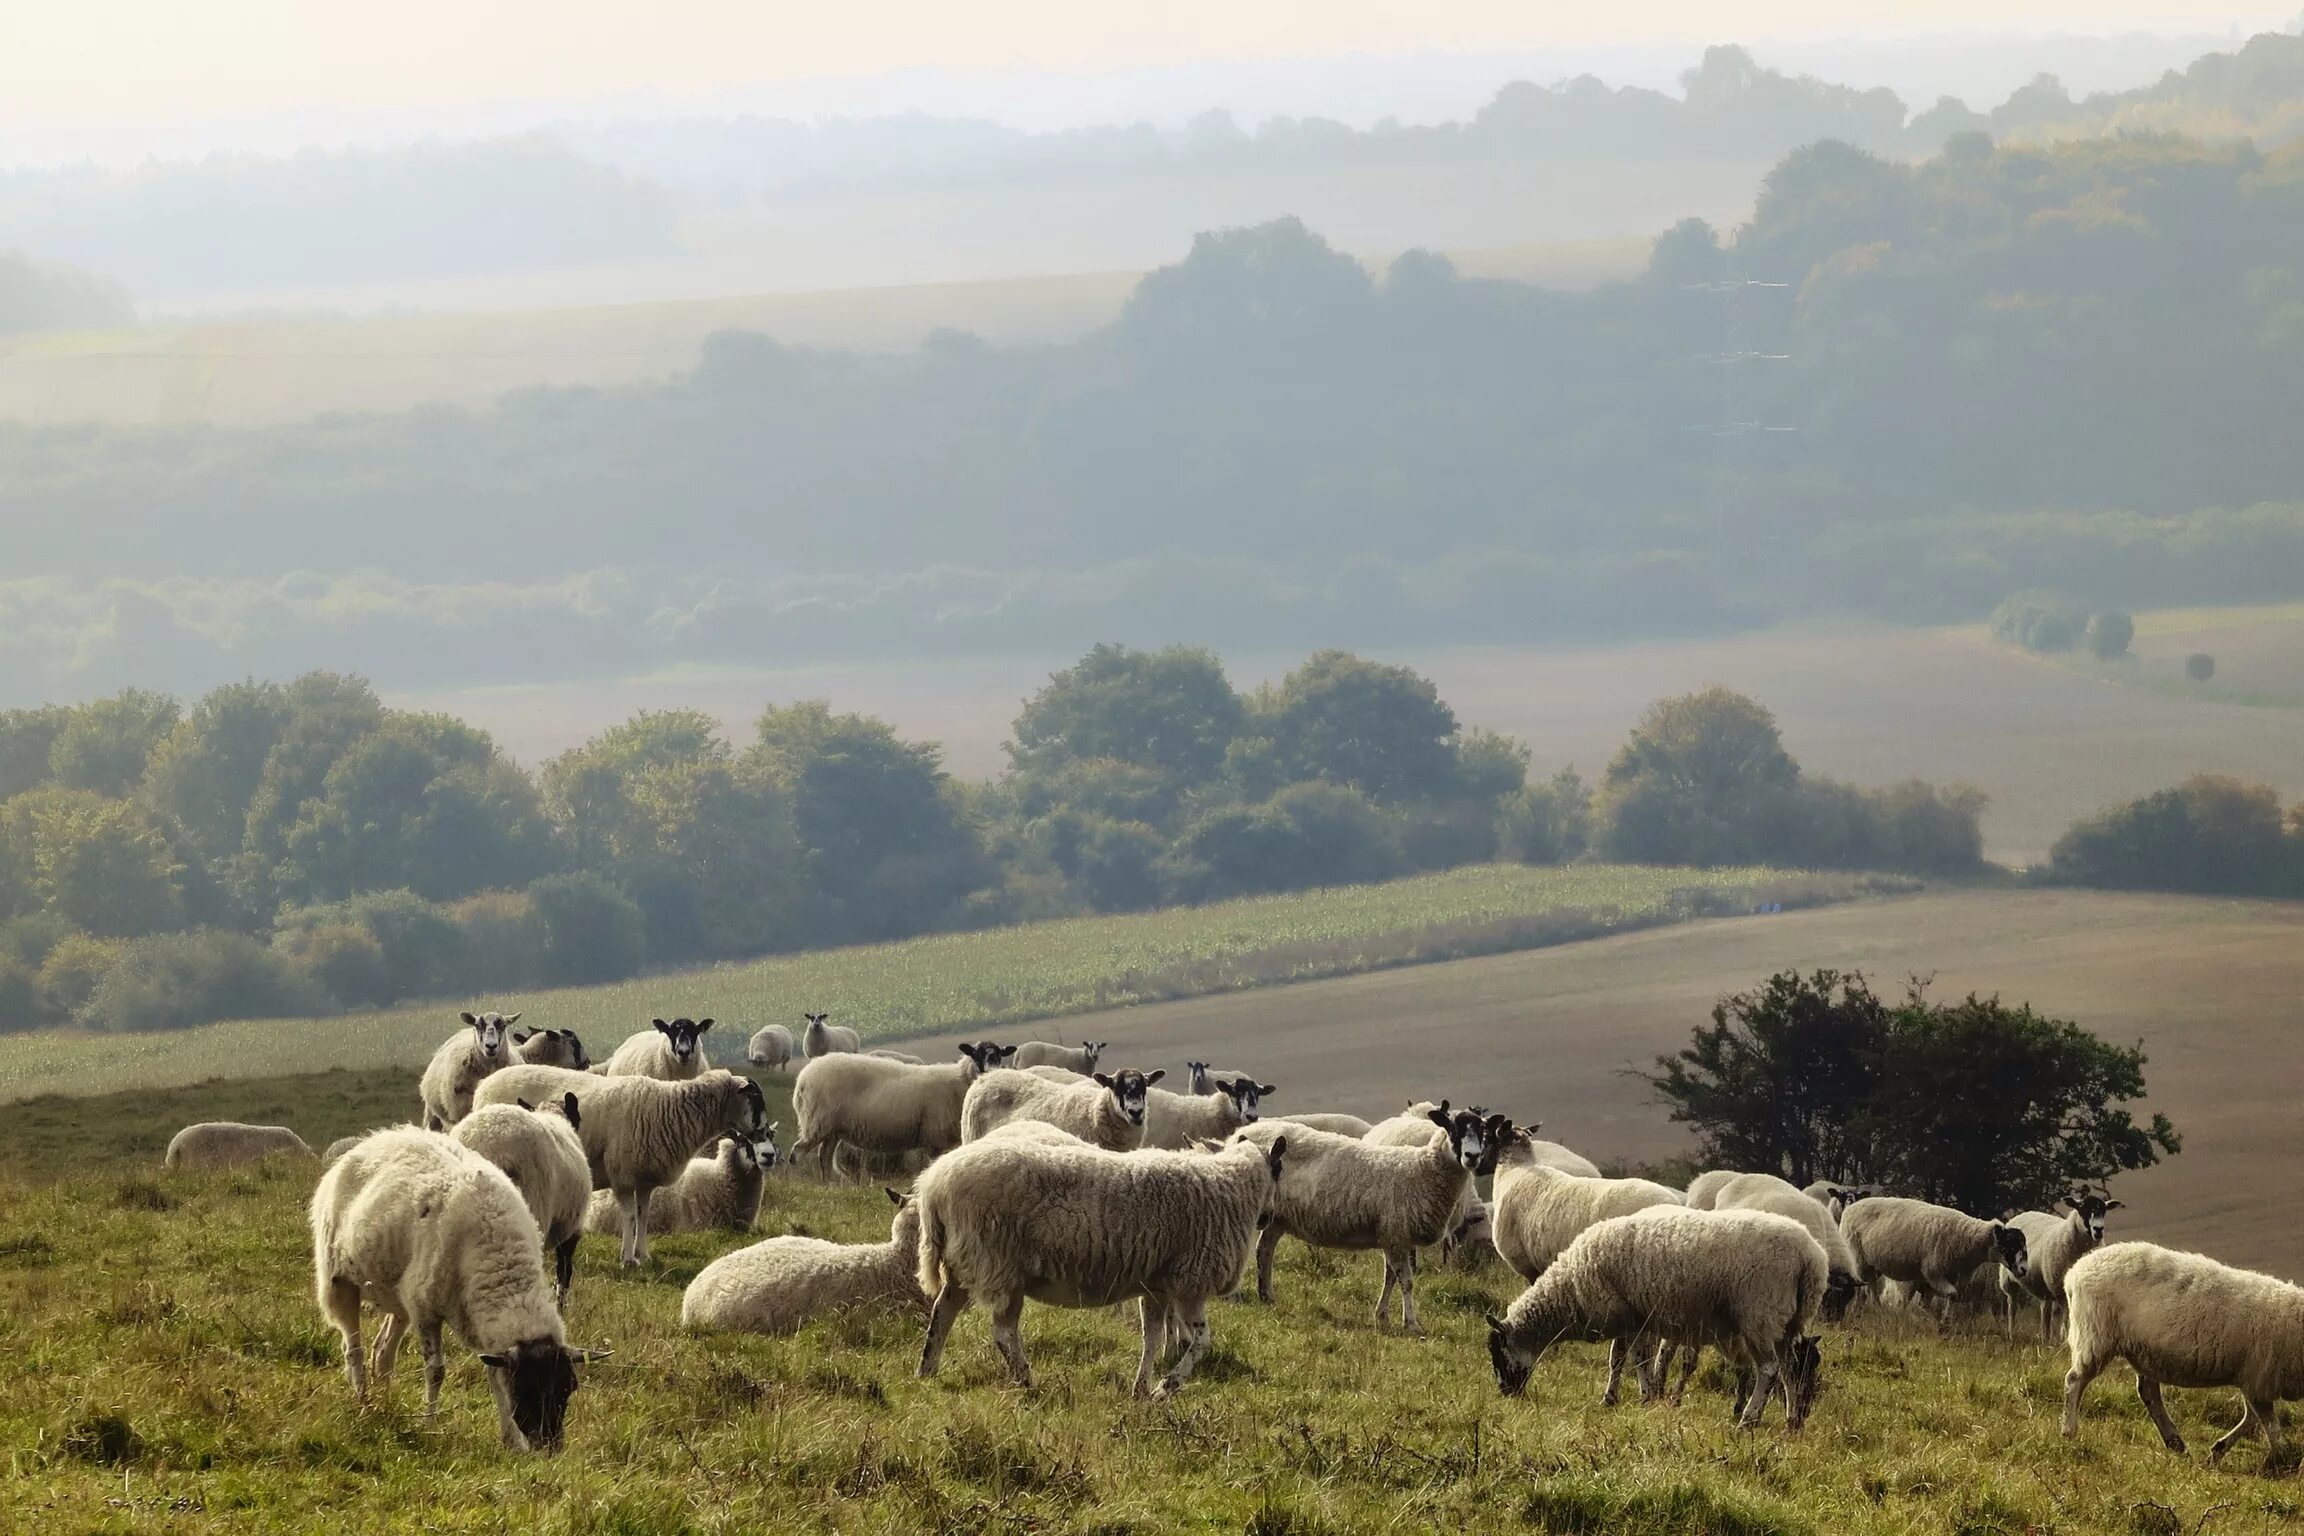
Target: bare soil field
(2212,988)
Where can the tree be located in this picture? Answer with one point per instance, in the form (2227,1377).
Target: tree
(1700,781)
(204,774)
(1171,711)
(1547,823)
(2209,834)
(27,737)
(2109,635)
(592,931)
(104,745)
(2199,666)
(98,864)
(1383,730)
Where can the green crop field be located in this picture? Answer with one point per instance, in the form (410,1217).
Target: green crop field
(997,977)
(163,1368)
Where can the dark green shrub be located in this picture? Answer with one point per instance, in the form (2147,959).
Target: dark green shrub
(2039,620)
(1547,823)
(2109,635)
(2199,666)
(177,980)
(592,931)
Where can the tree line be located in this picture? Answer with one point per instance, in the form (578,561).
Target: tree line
(288,848)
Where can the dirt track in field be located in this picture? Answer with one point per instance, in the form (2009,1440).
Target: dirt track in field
(2214,989)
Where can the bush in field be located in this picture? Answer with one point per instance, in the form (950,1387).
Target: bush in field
(422,949)
(19,999)
(503,940)
(1307,835)
(1117,865)
(69,974)
(2199,666)
(2209,834)
(2109,635)
(177,980)
(346,959)
(2040,620)
(592,931)
(1547,823)
(1703,779)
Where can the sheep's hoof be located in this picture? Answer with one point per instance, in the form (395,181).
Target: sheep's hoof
(1169,1387)
(2176,1444)
(1609,1399)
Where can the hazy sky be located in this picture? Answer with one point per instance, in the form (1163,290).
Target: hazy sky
(92,59)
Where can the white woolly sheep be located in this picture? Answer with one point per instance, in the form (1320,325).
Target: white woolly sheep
(1016,1217)
(1833,1197)
(2184,1320)
(1746,1282)
(437,1237)
(1334,1124)
(2052,1245)
(1173,1121)
(541,1153)
(1106,1110)
(771,1046)
(1471,1243)
(338,1148)
(1200,1078)
(778,1285)
(551,1048)
(1536,1211)
(880,1107)
(672,1051)
(1766,1192)
(1343,1192)
(824,1039)
(719,1191)
(1553,1155)
(1931,1248)
(459,1065)
(229,1144)
(1081,1059)
(639,1132)
(1704,1189)
(889,1053)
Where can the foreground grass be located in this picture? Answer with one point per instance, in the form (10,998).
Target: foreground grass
(994,978)
(162,1367)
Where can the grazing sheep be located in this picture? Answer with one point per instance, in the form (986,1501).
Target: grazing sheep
(1704,1189)
(541,1154)
(719,1191)
(671,1051)
(1833,1197)
(1106,1110)
(1927,1247)
(1016,1217)
(1470,1244)
(338,1148)
(1175,1120)
(771,1046)
(778,1285)
(2052,1245)
(822,1039)
(1343,1192)
(1766,1192)
(229,1144)
(881,1107)
(2184,1320)
(437,1237)
(459,1065)
(1535,1211)
(1334,1124)
(1746,1282)
(640,1132)
(551,1048)
(1039,1053)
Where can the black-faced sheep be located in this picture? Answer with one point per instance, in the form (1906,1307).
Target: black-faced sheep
(1106,1110)
(879,1107)
(672,1051)
(2052,1245)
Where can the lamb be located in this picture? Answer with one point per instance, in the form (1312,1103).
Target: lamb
(719,1191)
(1343,1192)
(1200,1078)
(1039,1053)
(2184,1320)
(1016,1217)
(1553,1155)
(778,1285)
(459,1065)
(639,1132)
(880,1107)
(822,1039)
(1106,1110)
(771,1046)
(229,1144)
(541,1154)
(1747,1282)
(1334,1124)
(436,1237)
(1536,1211)
(551,1048)
(2052,1245)
(1928,1247)
(673,1052)
(1175,1120)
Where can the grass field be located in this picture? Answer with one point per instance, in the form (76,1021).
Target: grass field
(1004,977)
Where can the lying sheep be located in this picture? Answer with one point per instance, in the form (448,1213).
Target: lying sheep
(1536,1211)
(1930,1248)
(1333,1124)
(1039,1053)
(541,1154)
(823,1039)
(436,1237)
(459,1065)
(1745,1282)
(2052,1245)
(2184,1320)
(1175,1120)
(1016,1217)
(229,1144)
(551,1048)
(1106,1110)
(778,1285)
(1343,1192)
(719,1191)
(1551,1154)
(673,1052)
(876,1106)
(639,1132)
(772,1047)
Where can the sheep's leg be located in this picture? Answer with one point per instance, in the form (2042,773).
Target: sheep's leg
(1152,1313)
(2267,1414)
(1618,1351)
(1192,1320)
(2075,1384)
(341,1302)
(389,1333)
(951,1301)
(625,1200)
(564,1261)
(1763,1373)
(1008,1338)
(1652,1361)
(1690,1354)
(2148,1392)
(1384,1296)
(435,1365)
(1406,1264)
(2048,1312)
(2231,1437)
(1800,1383)
(1264,1248)
(640,1199)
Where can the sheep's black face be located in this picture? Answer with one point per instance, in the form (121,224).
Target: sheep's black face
(764,1152)
(542,1377)
(1092,1051)
(1839,1291)
(2092,1209)
(576,1057)
(1129,1089)
(1513,1365)
(1196,1077)
(1807,1376)
(754,1114)
(2010,1242)
(683,1034)
(1248,1096)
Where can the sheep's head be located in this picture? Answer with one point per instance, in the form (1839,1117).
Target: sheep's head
(575,1048)
(1806,1375)
(1196,1076)
(683,1033)
(1468,1137)
(762,1148)
(1513,1361)
(1129,1089)
(985,1055)
(1839,1291)
(751,1110)
(2091,1209)
(1274,1158)
(535,1379)
(1091,1052)
(2009,1243)
(488,1029)
(1246,1094)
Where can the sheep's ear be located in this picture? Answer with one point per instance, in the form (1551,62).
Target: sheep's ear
(512,1018)
(1277,1151)
(1495,1323)
(524,1104)
(1440,1119)
(703,1025)
(2112,1205)
(969,1051)
(1003,1052)
(471,1019)
(500,1362)
(524,1037)
(894,1198)
(572,1107)
(1154,1076)
(588,1356)
(1101,1079)
(662,1028)
(1266,1090)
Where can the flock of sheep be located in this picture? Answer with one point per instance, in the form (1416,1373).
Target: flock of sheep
(1039,1177)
